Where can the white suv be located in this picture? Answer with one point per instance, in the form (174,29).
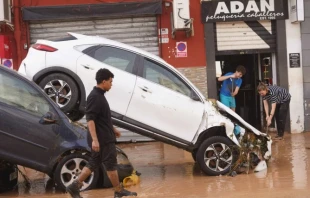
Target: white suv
(149,96)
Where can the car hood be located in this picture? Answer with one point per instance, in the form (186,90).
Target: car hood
(222,107)
(79,129)
(72,135)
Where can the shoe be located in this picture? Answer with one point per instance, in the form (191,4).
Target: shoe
(124,193)
(278,138)
(74,189)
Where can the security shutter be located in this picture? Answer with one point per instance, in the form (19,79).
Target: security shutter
(245,35)
(140,32)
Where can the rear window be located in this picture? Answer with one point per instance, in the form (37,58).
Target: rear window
(67,38)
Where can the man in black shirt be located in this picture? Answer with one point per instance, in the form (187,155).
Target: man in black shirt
(101,137)
(280,100)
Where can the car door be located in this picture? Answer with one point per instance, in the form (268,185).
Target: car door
(162,101)
(23,140)
(121,63)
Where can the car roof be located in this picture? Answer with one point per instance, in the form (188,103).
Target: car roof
(81,39)
(2,67)
(103,40)
(13,72)
(95,40)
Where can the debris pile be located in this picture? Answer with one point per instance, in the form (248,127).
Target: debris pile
(252,153)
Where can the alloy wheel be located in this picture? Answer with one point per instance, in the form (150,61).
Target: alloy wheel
(218,157)
(59,91)
(72,169)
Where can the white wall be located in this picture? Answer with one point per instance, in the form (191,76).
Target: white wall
(295,76)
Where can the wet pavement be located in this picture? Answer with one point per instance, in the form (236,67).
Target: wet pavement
(171,172)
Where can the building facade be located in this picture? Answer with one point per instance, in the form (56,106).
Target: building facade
(141,23)
(257,34)
(305,40)
(262,36)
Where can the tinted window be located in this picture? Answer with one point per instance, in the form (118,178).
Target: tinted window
(68,38)
(17,93)
(157,74)
(88,50)
(118,58)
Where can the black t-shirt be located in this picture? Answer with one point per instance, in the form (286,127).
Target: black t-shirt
(98,110)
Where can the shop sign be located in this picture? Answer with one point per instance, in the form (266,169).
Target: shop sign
(294,60)
(243,10)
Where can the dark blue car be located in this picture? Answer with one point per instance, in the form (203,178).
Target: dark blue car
(35,133)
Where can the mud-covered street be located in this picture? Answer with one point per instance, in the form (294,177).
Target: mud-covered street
(171,172)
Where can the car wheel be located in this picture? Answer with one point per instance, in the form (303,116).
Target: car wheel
(215,155)
(70,167)
(62,89)
(8,176)
(75,115)
(194,154)
(124,168)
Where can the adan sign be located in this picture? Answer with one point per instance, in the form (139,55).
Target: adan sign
(243,10)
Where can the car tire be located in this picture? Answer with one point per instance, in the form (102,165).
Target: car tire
(52,83)
(124,168)
(211,158)
(75,115)
(69,168)
(8,176)
(194,154)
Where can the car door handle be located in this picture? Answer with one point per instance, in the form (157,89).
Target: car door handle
(145,89)
(87,67)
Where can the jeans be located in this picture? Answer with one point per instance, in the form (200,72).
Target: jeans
(280,116)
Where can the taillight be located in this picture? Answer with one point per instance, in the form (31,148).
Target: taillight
(45,48)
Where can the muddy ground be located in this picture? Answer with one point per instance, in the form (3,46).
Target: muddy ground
(171,172)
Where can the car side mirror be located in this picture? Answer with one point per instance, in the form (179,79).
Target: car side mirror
(48,118)
(194,96)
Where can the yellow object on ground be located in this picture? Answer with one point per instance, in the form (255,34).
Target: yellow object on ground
(131,180)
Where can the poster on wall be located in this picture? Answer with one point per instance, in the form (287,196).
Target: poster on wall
(7,63)
(243,10)
(164,38)
(294,60)
(181,49)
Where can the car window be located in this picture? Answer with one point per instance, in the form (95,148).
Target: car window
(160,75)
(17,93)
(115,57)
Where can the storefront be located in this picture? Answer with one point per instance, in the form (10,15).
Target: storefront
(116,21)
(146,24)
(305,61)
(248,33)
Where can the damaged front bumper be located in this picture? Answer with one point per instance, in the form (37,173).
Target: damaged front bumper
(253,147)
